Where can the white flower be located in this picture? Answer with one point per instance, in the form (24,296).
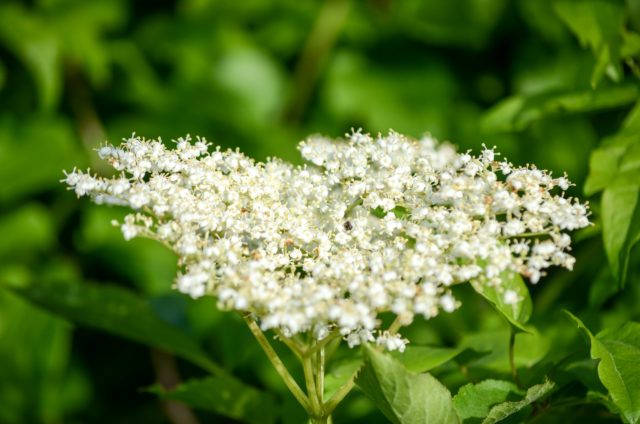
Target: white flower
(307,249)
(510,297)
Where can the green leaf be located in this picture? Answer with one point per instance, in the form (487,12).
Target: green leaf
(603,168)
(630,44)
(340,372)
(469,24)
(516,113)
(475,400)
(225,396)
(505,410)
(618,159)
(598,25)
(619,353)
(155,265)
(23,143)
(615,168)
(402,396)
(28,37)
(118,311)
(26,231)
(620,225)
(35,350)
(517,314)
(592,21)
(424,358)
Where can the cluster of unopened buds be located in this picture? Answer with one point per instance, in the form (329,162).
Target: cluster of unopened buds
(369,225)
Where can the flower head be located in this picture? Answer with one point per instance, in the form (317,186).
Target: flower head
(369,225)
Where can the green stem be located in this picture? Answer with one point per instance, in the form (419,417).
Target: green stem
(278,365)
(321,420)
(322,343)
(320,375)
(524,235)
(352,206)
(514,370)
(295,346)
(310,381)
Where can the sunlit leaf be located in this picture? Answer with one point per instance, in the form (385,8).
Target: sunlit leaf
(475,400)
(516,313)
(505,410)
(620,225)
(618,350)
(404,397)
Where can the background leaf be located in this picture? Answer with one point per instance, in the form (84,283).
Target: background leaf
(117,311)
(225,396)
(597,25)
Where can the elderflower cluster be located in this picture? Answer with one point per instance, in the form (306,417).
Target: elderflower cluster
(370,225)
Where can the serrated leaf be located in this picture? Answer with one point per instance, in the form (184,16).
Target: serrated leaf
(117,311)
(225,396)
(475,400)
(505,410)
(402,396)
(619,353)
(517,314)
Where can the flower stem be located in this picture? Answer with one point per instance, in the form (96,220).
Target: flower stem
(278,365)
(322,343)
(310,381)
(320,375)
(294,345)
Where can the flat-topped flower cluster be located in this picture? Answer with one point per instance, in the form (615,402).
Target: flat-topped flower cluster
(369,225)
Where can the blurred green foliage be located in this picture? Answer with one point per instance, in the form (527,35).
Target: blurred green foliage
(550,82)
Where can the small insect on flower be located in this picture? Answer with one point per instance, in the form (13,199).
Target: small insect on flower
(369,225)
